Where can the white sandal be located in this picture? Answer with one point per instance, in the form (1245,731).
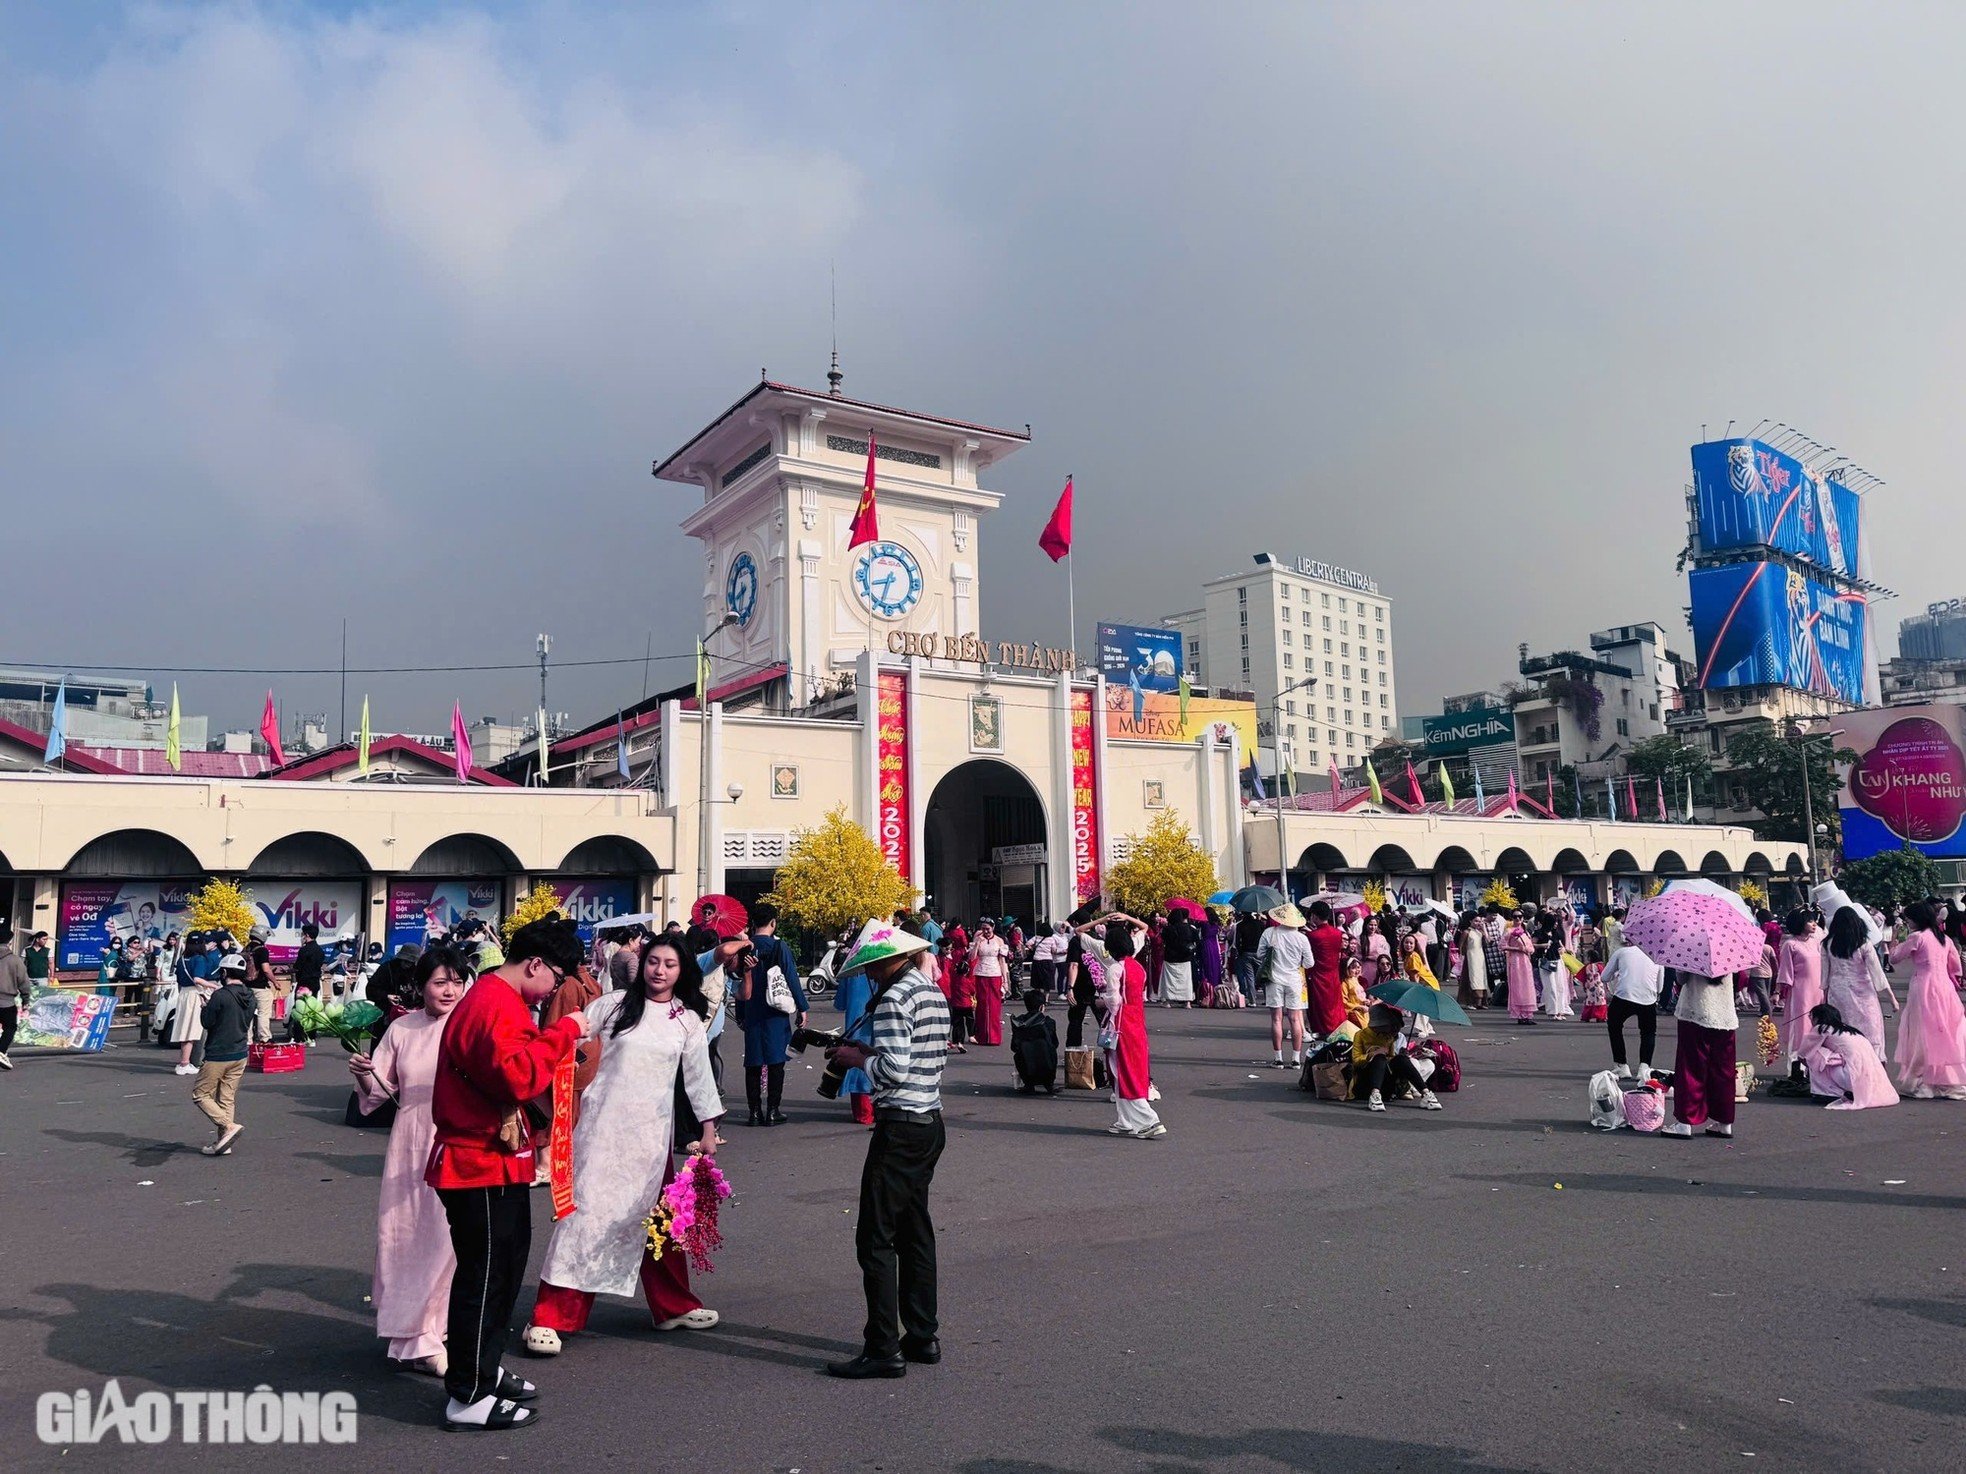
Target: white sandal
(699,1319)
(541,1341)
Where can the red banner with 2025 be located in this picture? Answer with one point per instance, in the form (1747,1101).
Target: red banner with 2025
(1085,799)
(891,749)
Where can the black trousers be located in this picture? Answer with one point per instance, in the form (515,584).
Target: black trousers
(1376,1072)
(894,1239)
(1075,1021)
(1647,1015)
(9,1022)
(491,1234)
(962,1024)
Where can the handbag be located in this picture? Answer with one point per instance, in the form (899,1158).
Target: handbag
(1078,1068)
(1332,1080)
(1109,1032)
(778,992)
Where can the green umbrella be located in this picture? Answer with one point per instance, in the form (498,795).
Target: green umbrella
(1411,997)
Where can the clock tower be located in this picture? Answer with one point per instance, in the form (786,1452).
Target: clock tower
(780,473)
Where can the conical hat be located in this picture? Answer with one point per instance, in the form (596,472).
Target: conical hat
(879,940)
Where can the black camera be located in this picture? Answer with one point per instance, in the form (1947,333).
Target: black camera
(835,1075)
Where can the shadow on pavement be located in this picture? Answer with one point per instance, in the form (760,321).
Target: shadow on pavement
(137,1150)
(1693,1161)
(1288,1448)
(369,1165)
(784,1348)
(1939,1312)
(180,1342)
(1939,1402)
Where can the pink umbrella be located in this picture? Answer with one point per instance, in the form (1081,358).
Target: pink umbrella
(1695,933)
(1194,910)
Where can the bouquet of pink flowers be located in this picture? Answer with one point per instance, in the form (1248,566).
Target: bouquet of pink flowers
(686,1217)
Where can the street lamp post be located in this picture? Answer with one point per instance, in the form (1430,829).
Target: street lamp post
(703,762)
(1276,732)
(1803,737)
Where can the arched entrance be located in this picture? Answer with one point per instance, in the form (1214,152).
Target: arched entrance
(985,846)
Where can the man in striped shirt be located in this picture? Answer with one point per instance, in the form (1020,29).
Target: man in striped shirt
(894,1238)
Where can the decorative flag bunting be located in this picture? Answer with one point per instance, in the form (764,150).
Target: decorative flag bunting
(1446,785)
(363,739)
(1549,789)
(1514,796)
(1689,798)
(461,742)
(866,517)
(702,677)
(1610,800)
(1372,783)
(57,726)
(620,747)
(1413,782)
(545,752)
(1481,798)
(269,728)
(174,735)
(1256,778)
(1140,700)
(1661,784)
(1056,539)
(1186,692)
(1335,784)
(1577,791)
(1631,798)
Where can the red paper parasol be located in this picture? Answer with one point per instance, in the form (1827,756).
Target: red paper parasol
(729,919)
(1193,908)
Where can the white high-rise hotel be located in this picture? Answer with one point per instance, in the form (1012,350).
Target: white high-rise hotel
(1266,630)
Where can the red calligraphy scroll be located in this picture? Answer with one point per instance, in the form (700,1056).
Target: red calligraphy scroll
(892,806)
(1085,799)
(559,1140)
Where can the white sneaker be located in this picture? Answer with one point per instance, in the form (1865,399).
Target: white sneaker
(185,1070)
(1645,1073)
(1375,1102)
(541,1341)
(699,1319)
(1719,1128)
(1624,1072)
(1429,1102)
(1675,1128)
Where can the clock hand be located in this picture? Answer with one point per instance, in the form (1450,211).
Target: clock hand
(887,583)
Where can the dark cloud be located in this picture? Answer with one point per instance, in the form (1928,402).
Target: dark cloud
(384,315)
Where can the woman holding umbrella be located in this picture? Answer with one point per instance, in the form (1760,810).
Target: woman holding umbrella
(1381,1057)
(1707,939)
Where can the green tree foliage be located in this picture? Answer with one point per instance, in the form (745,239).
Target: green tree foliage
(1666,757)
(1892,878)
(1769,768)
(1165,864)
(836,876)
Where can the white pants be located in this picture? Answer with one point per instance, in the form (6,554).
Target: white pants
(1556,991)
(1136,1115)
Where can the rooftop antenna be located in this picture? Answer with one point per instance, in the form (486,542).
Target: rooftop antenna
(833,375)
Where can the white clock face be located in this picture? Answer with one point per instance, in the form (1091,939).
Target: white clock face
(888,580)
(741,589)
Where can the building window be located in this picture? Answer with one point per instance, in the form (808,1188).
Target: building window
(1331,737)
(1289,661)
(1351,739)
(1331,713)
(1245,642)
(1385,724)
(1327,600)
(1382,636)
(1382,657)
(1245,667)
(1327,622)
(1348,672)
(1382,698)
(1327,667)
(1344,626)
(1286,590)
(1654,709)
(1242,618)
(1348,715)
(1382,678)
(1624,727)
(1348,695)
(1286,637)
(1242,596)
(1344,647)
(1293,731)
(1305,618)
(1314,757)
(1327,647)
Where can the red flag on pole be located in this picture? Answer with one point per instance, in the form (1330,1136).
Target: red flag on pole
(1549,791)
(461,742)
(1662,798)
(1056,539)
(1513,795)
(1413,782)
(1335,784)
(269,728)
(866,517)
(1631,798)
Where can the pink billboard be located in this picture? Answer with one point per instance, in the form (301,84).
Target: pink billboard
(1908,783)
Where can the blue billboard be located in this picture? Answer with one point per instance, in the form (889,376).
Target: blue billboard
(1154,655)
(1761,624)
(1750,495)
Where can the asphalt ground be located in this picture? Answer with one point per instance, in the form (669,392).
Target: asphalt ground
(1280,1283)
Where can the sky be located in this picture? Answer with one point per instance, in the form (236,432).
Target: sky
(312,313)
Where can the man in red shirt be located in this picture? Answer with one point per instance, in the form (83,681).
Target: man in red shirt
(491,1060)
(1327,996)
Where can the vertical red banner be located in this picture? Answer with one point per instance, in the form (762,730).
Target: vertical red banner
(891,807)
(1085,799)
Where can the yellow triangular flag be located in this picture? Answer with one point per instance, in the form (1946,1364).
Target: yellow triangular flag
(702,677)
(362,743)
(174,735)
(1372,782)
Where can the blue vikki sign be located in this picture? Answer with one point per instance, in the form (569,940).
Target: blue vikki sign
(1761,624)
(1750,496)
(1153,655)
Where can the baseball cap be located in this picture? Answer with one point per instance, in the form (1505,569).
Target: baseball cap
(233,962)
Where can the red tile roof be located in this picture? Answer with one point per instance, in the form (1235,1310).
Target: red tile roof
(73,756)
(149,762)
(344,755)
(604,731)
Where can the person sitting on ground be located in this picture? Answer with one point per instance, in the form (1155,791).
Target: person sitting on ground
(1843,1065)
(1380,1059)
(1034,1046)
(1358,1007)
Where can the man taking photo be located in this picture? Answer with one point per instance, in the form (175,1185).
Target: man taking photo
(894,1238)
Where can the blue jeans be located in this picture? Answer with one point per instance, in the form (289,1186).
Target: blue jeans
(1246,979)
